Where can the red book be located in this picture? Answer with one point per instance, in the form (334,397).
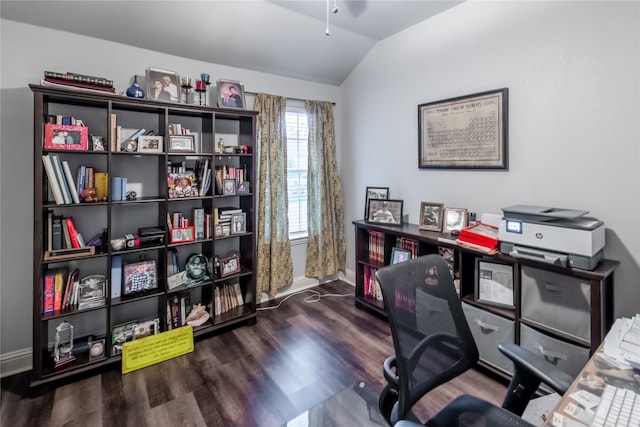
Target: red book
(73,234)
(480,234)
(49,286)
(59,289)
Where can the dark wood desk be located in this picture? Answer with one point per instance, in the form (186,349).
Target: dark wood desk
(597,373)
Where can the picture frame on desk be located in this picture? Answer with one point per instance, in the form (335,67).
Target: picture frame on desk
(66,137)
(239,223)
(150,144)
(243,188)
(494,283)
(182,144)
(465,132)
(374,193)
(385,211)
(431,216)
(454,219)
(182,234)
(228,187)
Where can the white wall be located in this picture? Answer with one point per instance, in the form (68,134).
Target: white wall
(572,69)
(26,52)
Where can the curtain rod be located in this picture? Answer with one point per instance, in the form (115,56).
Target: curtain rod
(289,98)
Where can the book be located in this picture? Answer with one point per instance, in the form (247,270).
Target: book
(102,185)
(58,289)
(112,132)
(69,288)
(72,185)
(48,292)
(98,81)
(62,182)
(198,222)
(116,188)
(52,178)
(56,233)
(80,182)
(116,276)
(73,233)
(49,237)
(78,85)
(90,179)
(66,238)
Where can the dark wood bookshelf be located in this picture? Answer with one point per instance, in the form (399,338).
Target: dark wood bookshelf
(147,170)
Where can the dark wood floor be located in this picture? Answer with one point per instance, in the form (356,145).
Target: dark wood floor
(295,357)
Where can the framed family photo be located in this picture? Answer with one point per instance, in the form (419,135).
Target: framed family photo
(374,193)
(162,85)
(454,219)
(385,211)
(150,144)
(230,94)
(182,144)
(399,255)
(140,277)
(431,216)
(66,137)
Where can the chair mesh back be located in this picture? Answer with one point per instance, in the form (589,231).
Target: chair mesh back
(431,337)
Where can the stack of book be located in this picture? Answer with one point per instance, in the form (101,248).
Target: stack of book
(63,240)
(63,289)
(227,296)
(376,245)
(224,218)
(77,81)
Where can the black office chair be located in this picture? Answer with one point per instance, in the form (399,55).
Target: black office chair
(433,344)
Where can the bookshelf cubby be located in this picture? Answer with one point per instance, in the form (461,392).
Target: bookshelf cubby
(562,313)
(137,229)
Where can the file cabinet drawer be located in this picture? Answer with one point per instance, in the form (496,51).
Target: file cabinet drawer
(489,330)
(557,301)
(568,357)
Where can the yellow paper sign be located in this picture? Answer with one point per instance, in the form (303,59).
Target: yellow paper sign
(156,348)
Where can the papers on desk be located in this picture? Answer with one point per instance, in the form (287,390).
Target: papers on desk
(622,343)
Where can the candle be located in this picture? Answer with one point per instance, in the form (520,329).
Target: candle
(186,81)
(205,78)
(200,85)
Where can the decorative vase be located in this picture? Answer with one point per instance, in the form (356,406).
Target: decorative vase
(135,90)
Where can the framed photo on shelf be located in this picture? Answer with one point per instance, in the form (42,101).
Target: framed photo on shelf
(454,219)
(243,188)
(385,211)
(139,277)
(182,144)
(494,283)
(229,266)
(66,137)
(431,216)
(239,223)
(466,132)
(150,144)
(182,234)
(229,187)
(230,94)
(399,255)
(162,85)
(374,193)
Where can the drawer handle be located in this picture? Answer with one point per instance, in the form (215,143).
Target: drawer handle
(553,288)
(550,354)
(486,326)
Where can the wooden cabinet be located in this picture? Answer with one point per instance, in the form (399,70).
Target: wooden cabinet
(229,297)
(561,313)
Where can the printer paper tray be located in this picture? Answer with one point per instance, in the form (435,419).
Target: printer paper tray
(539,255)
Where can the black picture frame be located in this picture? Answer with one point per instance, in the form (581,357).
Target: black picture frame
(374,193)
(465,132)
(399,255)
(139,277)
(385,212)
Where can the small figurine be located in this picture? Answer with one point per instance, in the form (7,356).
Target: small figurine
(220,145)
(89,195)
(98,143)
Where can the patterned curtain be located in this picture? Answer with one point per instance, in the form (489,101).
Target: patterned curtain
(326,248)
(275,267)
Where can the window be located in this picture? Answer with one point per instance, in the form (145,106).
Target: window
(297,136)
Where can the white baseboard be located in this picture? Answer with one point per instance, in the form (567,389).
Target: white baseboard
(302,283)
(15,362)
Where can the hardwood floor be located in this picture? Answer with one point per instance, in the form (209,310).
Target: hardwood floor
(294,358)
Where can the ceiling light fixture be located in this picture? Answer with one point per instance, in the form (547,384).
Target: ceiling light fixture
(334,10)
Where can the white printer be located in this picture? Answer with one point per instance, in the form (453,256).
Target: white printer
(563,237)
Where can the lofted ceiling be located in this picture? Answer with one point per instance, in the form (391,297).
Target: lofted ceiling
(285,38)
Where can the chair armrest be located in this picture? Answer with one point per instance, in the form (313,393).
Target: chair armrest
(405,423)
(547,372)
